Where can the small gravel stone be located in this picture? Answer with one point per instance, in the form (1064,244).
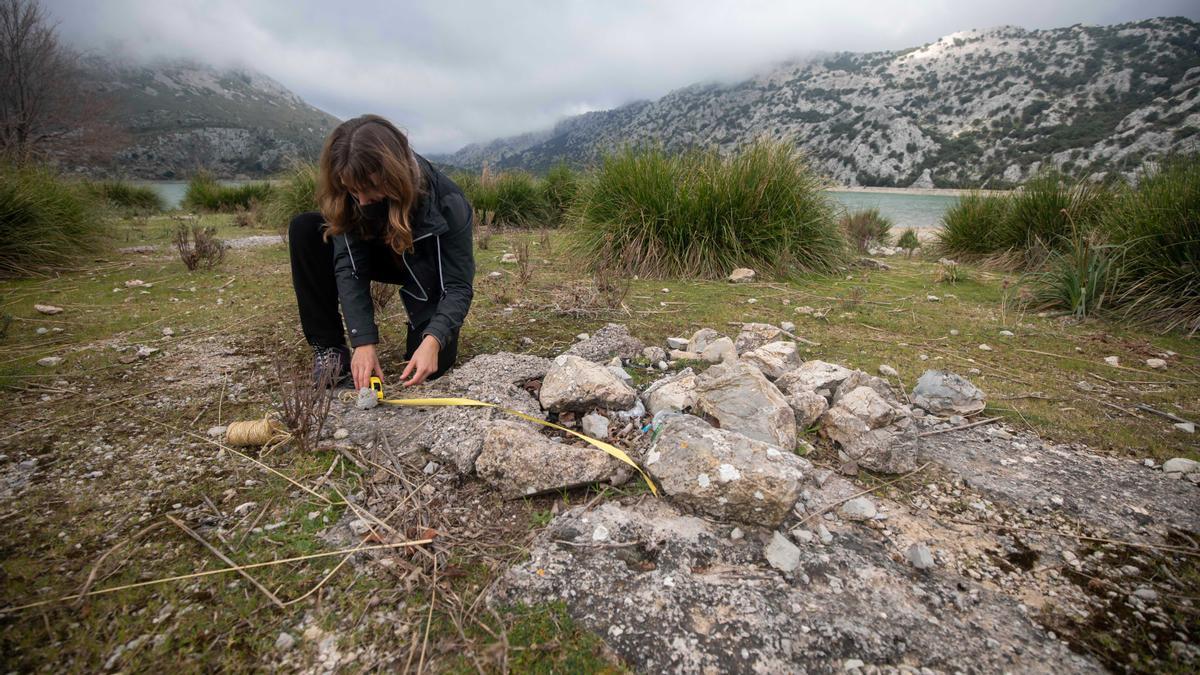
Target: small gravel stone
(366,399)
(887,371)
(859,508)
(920,557)
(1156,364)
(285,642)
(788,326)
(341,434)
(50,361)
(217,432)
(782,554)
(985,348)
(1112,361)
(1185,427)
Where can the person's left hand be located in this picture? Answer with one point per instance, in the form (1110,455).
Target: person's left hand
(424,362)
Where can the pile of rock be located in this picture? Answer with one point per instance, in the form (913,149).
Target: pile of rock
(725,442)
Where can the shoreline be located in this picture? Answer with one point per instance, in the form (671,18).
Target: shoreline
(928,192)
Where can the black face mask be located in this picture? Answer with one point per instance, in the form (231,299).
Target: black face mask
(374,211)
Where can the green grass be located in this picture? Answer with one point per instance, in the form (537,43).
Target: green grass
(908,241)
(126,197)
(206,194)
(652,214)
(46,222)
(222,624)
(866,228)
(1157,226)
(1130,250)
(295,193)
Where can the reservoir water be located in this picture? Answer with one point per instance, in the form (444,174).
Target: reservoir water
(916,210)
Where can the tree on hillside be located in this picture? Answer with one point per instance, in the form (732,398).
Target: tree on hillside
(45,110)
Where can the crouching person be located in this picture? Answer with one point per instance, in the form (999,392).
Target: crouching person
(387,215)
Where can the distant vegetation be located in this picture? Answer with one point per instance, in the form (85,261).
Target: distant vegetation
(126,197)
(700,214)
(520,199)
(866,228)
(46,222)
(294,193)
(205,193)
(1089,248)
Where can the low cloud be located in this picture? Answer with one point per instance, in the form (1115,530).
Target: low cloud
(456,72)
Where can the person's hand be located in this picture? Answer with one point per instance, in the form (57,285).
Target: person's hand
(424,362)
(363,364)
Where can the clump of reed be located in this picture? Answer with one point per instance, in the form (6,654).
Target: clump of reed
(205,193)
(127,197)
(1124,251)
(701,214)
(46,222)
(866,228)
(295,192)
(909,241)
(1156,224)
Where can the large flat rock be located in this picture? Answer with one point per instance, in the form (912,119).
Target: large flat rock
(674,593)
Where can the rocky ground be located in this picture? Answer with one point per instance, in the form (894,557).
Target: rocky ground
(985,548)
(820,506)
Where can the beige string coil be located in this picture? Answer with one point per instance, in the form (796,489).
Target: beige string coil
(257,433)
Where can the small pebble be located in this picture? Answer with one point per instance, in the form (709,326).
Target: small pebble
(1156,364)
(341,434)
(1112,361)
(985,348)
(887,371)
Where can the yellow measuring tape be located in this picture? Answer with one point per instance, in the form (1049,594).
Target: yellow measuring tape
(377,387)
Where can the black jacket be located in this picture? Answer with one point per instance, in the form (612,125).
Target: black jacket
(436,277)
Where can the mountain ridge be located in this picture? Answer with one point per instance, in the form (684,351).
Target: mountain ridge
(975,108)
(181,116)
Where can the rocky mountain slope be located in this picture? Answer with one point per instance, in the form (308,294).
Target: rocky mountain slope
(980,107)
(181,116)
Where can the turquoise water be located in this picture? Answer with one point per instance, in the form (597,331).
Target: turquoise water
(172,191)
(905,210)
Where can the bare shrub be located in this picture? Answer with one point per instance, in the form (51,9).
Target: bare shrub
(303,403)
(544,241)
(199,247)
(246,217)
(524,264)
(483,234)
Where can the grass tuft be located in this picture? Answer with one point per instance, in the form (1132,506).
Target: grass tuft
(295,193)
(127,197)
(867,228)
(46,223)
(205,194)
(1157,224)
(699,214)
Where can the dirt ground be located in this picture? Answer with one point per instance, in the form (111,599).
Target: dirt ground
(106,458)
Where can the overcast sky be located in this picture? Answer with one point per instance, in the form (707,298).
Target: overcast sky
(452,72)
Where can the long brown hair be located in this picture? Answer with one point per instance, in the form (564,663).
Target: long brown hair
(369,152)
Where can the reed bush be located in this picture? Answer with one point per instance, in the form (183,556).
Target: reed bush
(909,241)
(866,228)
(971,227)
(1157,226)
(700,214)
(294,193)
(1078,279)
(126,197)
(46,222)
(204,193)
(519,201)
(558,190)
(1024,226)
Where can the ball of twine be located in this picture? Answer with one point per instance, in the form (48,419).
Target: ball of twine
(255,432)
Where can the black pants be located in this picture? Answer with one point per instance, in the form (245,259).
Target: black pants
(317,295)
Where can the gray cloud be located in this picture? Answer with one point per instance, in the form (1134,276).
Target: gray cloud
(455,72)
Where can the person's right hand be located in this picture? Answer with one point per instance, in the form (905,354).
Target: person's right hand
(363,364)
